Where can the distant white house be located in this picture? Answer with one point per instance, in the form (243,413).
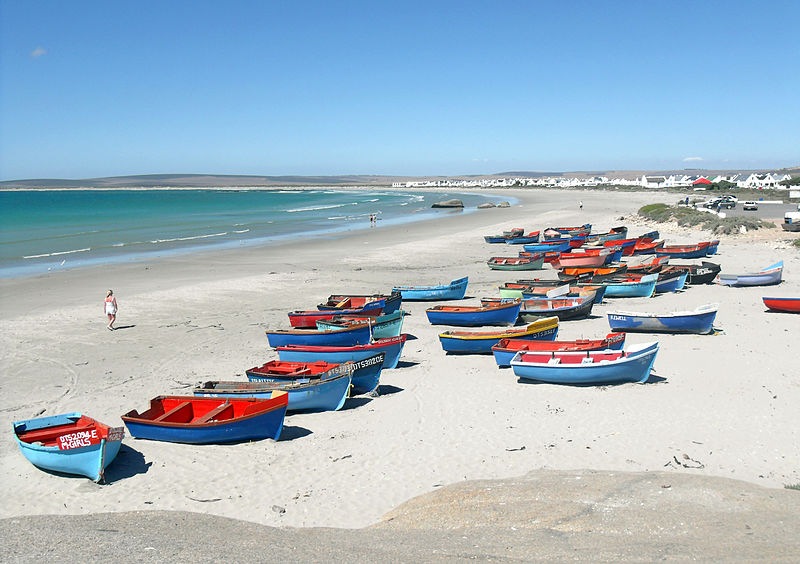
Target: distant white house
(653,181)
(761,180)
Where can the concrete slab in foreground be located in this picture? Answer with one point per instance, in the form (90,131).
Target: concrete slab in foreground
(583,515)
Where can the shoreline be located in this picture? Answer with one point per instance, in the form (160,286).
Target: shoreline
(129,253)
(440,419)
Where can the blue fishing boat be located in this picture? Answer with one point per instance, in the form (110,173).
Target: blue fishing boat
(590,367)
(200,420)
(523,239)
(481,342)
(684,251)
(392,347)
(766,277)
(350,335)
(699,321)
(308,319)
(501,313)
(644,287)
(326,393)
(455,290)
(671,281)
(559,247)
(713,248)
(383,326)
(71,443)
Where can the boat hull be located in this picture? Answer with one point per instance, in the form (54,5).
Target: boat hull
(635,368)
(89,461)
(784,305)
(547,330)
(692,322)
(456,290)
(673,284)
(497,263)
(642,289)
(579,311)
(767,277)
(502,314)
(346,337)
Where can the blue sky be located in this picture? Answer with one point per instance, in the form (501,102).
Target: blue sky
(92,89)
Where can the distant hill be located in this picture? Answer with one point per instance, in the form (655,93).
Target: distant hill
(223,180)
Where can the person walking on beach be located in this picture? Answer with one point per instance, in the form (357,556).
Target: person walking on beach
(110,305)
(580,205)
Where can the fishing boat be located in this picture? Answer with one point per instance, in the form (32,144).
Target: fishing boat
(558,247)
(647,248)
(535,288)
(533,262)
(670,281)
(765,277)
(523,239)
(699,321)
(586,228)
(713,247)
(455,290)
(383,326)
(351,335)
(684,251)
(200,420)
(563,308)
(596,274)
(364,373)
(308,319)
(587,367)
(613,234)
(505,349)
(627,245)
(70,443)
(478,342)
(327,393)
(392,302)
(704,273)
(643,287)
(581,260)
(504,313)
(392,347)
(784,305)
(516,232)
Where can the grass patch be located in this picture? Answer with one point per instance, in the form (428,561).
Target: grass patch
(796,243)
(689,217)
(792,487)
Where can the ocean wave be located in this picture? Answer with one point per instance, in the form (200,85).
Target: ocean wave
(58,253)
(156,241)
(316,208)
(241,231)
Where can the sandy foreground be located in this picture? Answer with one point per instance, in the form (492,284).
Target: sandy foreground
(727,405)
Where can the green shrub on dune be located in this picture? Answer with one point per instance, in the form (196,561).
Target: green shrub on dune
(689,217)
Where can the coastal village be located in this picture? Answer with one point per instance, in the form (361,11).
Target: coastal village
(748,180)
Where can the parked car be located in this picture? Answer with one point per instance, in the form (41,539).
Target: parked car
(726,204)
(749,205)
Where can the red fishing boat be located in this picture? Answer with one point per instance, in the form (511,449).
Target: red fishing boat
(505,349)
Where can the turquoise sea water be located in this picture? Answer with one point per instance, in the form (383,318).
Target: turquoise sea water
(50,230)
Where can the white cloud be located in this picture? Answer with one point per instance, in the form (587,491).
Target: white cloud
(38,52)
(692,159)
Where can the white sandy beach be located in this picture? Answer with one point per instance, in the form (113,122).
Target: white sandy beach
(727,406)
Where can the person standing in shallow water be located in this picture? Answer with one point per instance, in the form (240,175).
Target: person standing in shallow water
(110,305)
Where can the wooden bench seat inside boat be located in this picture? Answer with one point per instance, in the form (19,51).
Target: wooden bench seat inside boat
(221,412)
(181,413)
